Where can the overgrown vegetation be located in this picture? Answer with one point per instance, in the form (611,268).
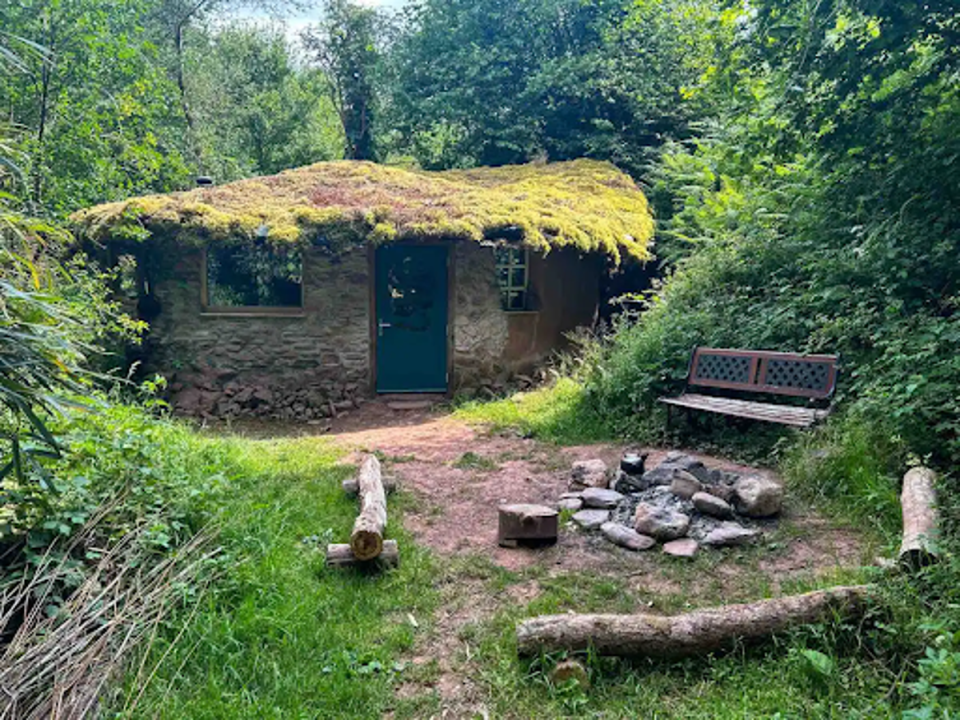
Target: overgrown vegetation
(584,204)
(800,159)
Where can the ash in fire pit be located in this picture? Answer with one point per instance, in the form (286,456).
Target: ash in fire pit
(680,498)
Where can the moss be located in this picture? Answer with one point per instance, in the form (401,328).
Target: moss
(585,204)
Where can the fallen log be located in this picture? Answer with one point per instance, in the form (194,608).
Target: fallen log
(351,486)
(367,536)
(341,555)
(694,633)
(918,500)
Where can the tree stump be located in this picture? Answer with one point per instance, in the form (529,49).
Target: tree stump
(918,501)
(522,523)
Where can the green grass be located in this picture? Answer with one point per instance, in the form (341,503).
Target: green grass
(278,635)
(558,413)
(779,677)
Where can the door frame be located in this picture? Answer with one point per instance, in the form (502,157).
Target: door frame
(372,311)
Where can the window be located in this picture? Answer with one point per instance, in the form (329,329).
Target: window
(513,277)
(258,276)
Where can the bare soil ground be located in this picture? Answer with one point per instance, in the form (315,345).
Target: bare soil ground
(454,513)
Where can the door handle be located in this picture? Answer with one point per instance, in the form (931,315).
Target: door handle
(381,325)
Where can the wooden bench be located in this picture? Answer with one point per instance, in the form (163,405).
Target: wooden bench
(756,371)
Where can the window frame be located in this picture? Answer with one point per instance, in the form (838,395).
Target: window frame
(506,289)
(208,310)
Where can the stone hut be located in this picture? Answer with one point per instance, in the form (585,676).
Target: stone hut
(292,295)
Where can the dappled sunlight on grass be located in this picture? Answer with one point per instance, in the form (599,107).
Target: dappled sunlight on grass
(554,413)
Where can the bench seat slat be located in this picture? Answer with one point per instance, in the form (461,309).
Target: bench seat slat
(783,414)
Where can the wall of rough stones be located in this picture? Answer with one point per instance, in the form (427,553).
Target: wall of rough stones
(311,364)
(305,366)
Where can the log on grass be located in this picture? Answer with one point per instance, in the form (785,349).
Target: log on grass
(918,500)
(367,536)
(694,633)
(341,555)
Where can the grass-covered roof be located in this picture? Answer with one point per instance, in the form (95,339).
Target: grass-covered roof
(586,204)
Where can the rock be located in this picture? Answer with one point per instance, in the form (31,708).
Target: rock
(591,519)
(568,495)
(660,475)
(712,505)
(632,463)
(588,473)
(685,548)
(661,523)
(730,533)
(682,461)
(724,492)
(625,537)
(595,497)
(684,485)
(758,496)
(570,503)
(626,483)
(263,394)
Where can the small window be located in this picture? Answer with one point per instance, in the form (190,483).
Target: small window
(254,277)
(513,277)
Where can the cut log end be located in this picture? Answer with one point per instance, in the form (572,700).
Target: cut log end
(366,544)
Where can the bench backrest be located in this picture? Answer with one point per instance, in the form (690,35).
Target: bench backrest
(809,376)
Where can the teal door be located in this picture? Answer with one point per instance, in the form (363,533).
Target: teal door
(411,300)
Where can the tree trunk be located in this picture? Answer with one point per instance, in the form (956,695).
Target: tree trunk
(341,555)
(367,536)
(695,633)
(920,518)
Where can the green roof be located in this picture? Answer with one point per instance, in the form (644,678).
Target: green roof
(585,204)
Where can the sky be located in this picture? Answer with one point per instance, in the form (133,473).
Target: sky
(296,22)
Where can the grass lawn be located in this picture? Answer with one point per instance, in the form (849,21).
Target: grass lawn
(278,635)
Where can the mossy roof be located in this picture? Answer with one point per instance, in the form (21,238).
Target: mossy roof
(585,204)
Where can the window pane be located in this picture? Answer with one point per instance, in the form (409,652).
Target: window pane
(253,277)
(517,301)
(512,277)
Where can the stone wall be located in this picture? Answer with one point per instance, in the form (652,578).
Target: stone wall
(306,365)
(311,364)
(480,327)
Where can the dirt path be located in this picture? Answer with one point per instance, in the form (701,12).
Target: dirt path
(458,475)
